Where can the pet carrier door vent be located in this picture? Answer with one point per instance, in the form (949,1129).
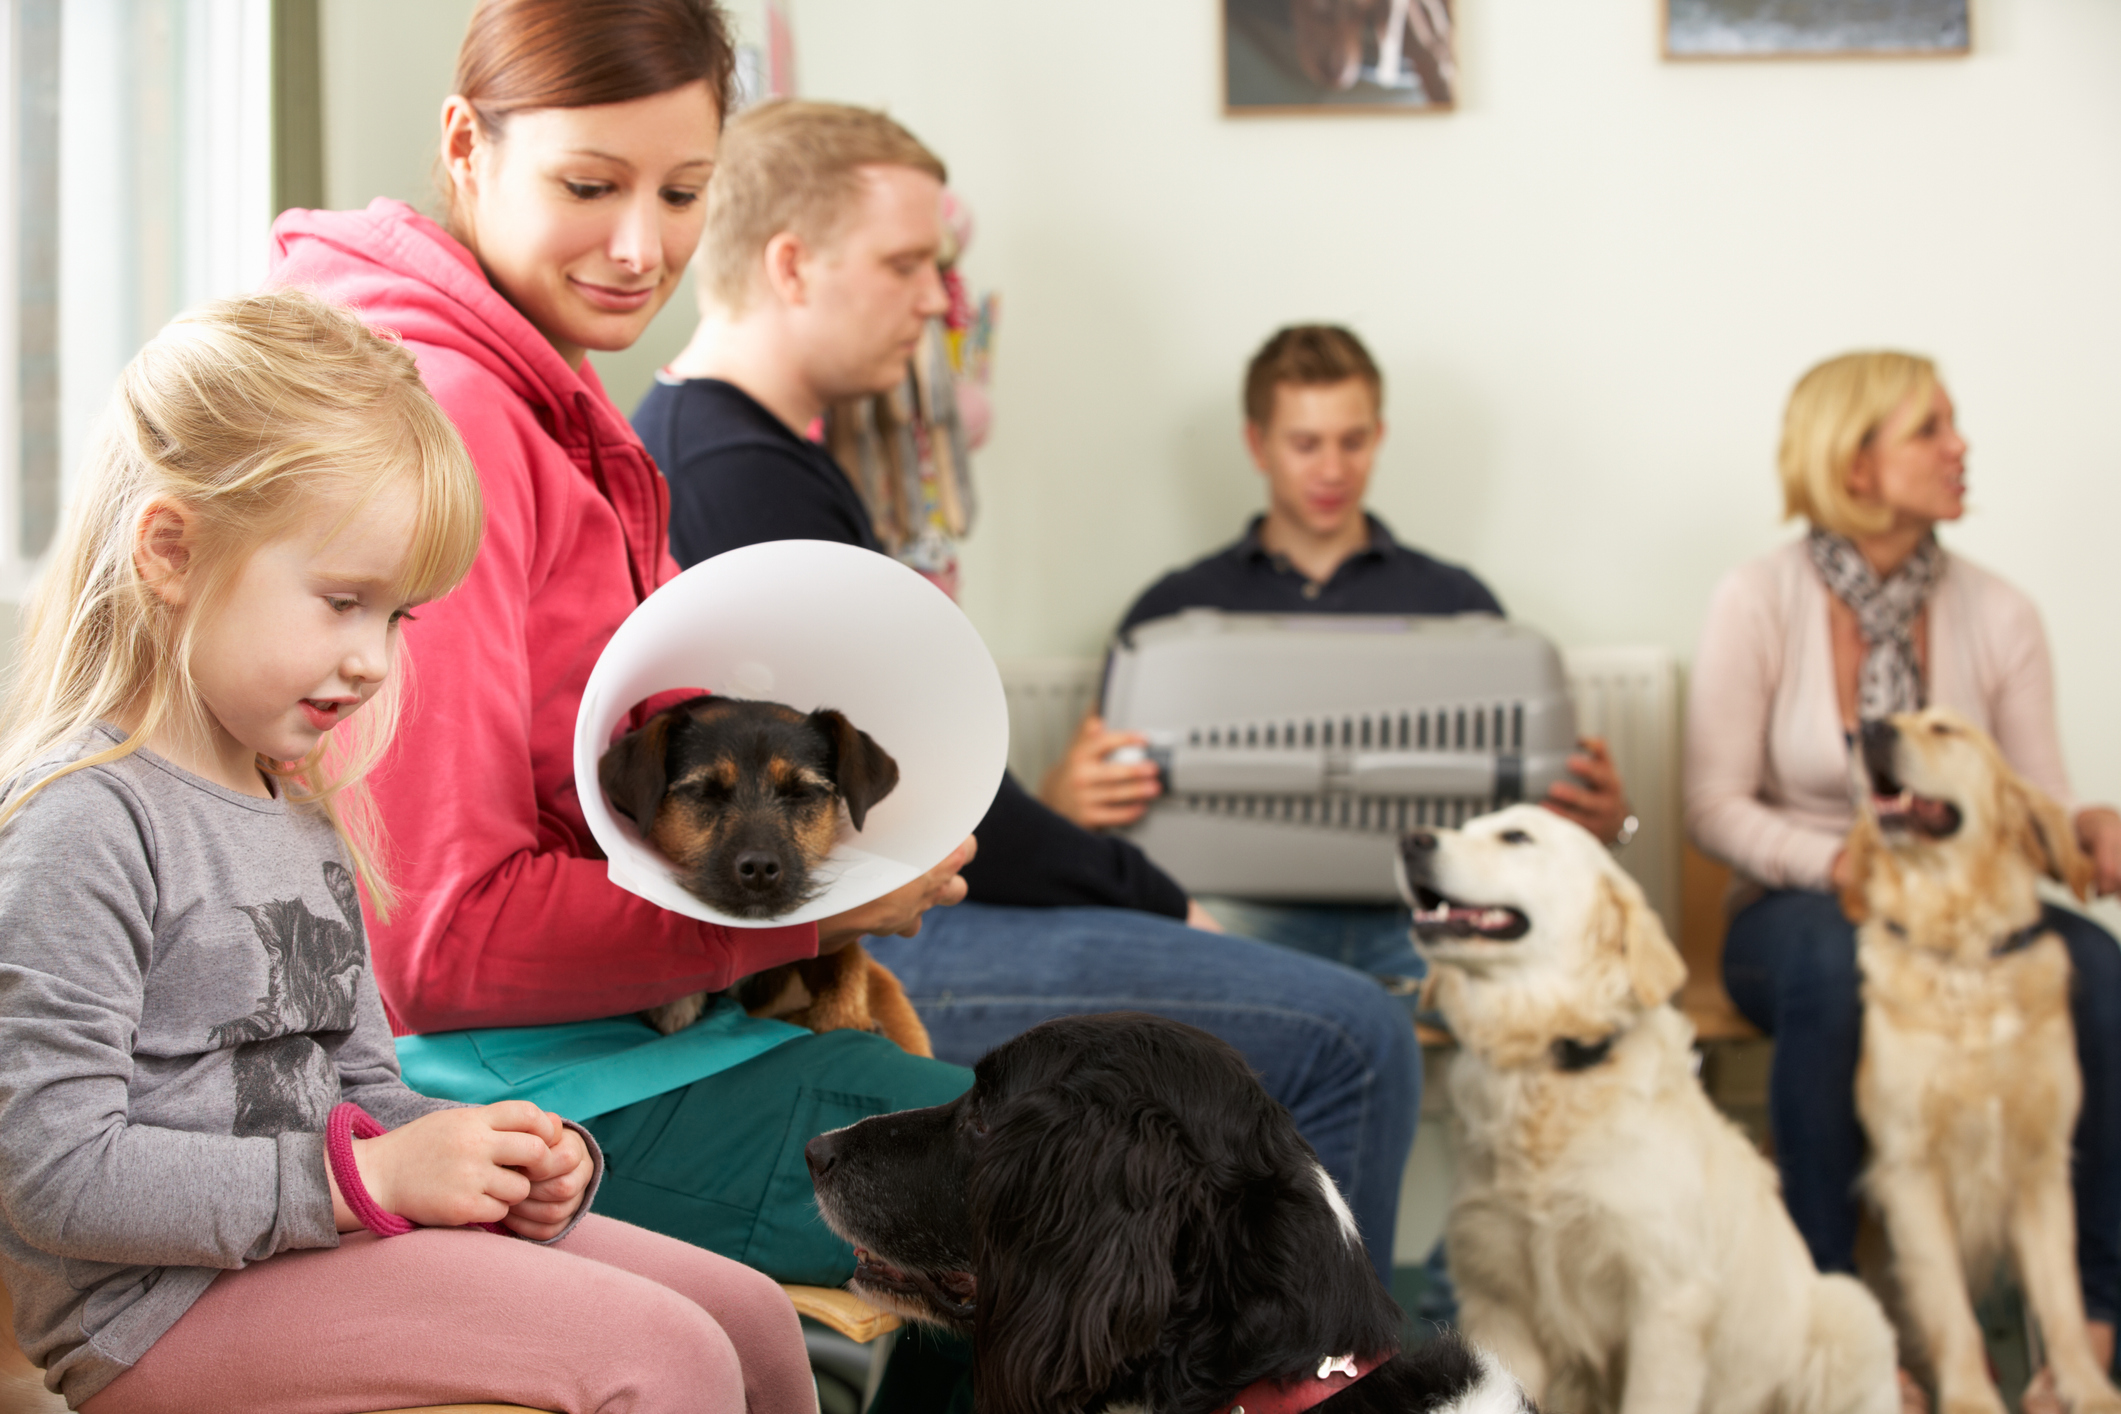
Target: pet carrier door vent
(1295,751)
(1380,770)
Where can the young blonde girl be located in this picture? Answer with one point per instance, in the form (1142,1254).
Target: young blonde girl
(200,1095)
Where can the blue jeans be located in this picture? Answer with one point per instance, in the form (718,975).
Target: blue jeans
(1330,1046)
(1372,938)
(1789,963)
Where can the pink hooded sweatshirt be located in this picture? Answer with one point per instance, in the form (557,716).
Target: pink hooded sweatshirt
(506,917)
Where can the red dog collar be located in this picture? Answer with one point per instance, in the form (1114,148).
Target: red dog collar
(1335,1373)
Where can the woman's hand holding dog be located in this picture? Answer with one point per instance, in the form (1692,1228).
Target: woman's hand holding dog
(509,1162)
(898,913)
(2099,832)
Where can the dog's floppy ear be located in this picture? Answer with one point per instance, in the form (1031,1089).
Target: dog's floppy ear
(863,771)
(2043,831)
(1861,853)
(1654,967)
(1076,1222)
(634,771)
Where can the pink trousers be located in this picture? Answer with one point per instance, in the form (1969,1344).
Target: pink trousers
(613,1320)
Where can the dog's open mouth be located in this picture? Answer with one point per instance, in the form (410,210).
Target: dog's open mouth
(1438,917)
(1899,808)
(952,1293)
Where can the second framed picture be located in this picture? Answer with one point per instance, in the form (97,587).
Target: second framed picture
(1790,29)
(1338,56)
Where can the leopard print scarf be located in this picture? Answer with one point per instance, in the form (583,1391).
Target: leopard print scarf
(1886,610)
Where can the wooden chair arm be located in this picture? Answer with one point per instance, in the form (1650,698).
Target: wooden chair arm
(843,1311)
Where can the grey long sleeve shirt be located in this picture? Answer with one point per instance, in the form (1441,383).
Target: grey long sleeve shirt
(185,993)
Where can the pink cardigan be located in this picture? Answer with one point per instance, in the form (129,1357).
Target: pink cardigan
(1767,766)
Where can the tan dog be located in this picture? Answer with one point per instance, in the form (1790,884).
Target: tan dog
(1968,1085)
(745,799)
(843,990)
(1616,1242)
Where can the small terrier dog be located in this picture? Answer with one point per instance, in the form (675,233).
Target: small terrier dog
(744,798)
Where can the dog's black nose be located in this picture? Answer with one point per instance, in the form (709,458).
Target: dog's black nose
(756,869)
(820,1154)
(1419,842)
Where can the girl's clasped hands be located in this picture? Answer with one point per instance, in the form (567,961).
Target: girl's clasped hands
(509,1163)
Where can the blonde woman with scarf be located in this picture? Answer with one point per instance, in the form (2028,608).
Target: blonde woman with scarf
(1868,615)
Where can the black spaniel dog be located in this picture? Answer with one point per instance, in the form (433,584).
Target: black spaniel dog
(1121,1218)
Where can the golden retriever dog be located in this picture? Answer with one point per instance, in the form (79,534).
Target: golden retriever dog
(1617,1243)
(1968,1086)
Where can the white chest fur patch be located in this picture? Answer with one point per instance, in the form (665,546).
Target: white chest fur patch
(1495,1392)
(1338,1204)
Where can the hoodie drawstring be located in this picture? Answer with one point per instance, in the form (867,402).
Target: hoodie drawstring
(641,587)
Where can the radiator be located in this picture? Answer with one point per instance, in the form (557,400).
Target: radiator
(1048,699)
(1630,696)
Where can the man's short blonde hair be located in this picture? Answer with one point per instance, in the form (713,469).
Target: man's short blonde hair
(1835,412)
(787,165)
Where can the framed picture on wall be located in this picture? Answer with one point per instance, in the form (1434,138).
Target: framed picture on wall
(1338,56)
(1783,29)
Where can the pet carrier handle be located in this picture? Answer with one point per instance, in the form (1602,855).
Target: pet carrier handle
(1501,776)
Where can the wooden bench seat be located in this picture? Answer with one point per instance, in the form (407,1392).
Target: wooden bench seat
(1703,885)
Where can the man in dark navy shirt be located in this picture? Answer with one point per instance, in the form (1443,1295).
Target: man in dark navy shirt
(1313,421)
(1379,576)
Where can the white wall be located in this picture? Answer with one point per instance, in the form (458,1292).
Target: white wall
(387,67)
(1590,288)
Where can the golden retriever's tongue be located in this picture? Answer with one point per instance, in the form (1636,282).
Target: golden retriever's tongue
(1460,920)
(1920,812)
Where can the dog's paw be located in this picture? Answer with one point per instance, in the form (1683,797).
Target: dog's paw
(1971,1401)
(2097,1397)
(672,1017)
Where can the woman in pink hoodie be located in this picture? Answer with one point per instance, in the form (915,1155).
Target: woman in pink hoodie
(575,154)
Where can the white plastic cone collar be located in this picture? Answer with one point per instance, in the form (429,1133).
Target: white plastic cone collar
(813,624)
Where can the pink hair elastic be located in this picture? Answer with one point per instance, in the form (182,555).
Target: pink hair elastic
(347,1123)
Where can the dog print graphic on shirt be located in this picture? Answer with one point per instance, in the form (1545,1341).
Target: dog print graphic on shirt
(284,1078)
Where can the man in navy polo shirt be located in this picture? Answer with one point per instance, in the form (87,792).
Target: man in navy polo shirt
(1313,421)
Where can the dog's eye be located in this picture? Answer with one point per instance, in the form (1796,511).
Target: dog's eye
(1940,729)
(706,788)
(798,789)
(1514,837)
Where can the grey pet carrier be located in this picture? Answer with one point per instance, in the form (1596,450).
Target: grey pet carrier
(1296,750)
